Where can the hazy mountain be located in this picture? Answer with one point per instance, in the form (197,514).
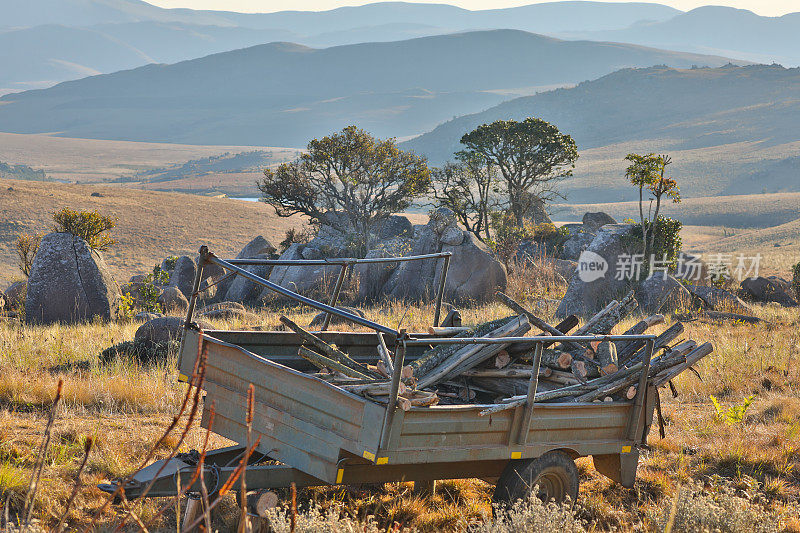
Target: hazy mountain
(718,30)
(552,16)
(738,126)
(283,94)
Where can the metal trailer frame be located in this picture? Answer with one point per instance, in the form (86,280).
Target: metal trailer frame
(324,435)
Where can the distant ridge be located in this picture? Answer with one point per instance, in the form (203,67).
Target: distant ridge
(283,94)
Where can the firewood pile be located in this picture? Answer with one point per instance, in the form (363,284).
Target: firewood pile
(498,375)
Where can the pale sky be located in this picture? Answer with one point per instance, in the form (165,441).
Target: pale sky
(769,8)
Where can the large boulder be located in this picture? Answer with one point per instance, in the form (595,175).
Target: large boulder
(574,227)
(164,329)
(474,274)
(658,294)
(768,289)
(372,277)
(172,299)
(69,282)
(183,275)
(394,226)
(691,268)
(302,278)
(239,288)
(575,245)
(594,221)
(15,295)
(413,280)
(718,299)
(595,283)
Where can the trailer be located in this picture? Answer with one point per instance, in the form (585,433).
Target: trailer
(314,433)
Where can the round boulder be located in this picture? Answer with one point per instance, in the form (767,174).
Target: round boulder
(15,295)
(657,294)
(768,289)
(173,300)
(474,275)
(164,329)
(183,275)
(594,221)
(69,282)
(575,245)
(452,236)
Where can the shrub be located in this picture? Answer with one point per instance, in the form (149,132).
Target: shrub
(89,225)
(507,235)
(26,247)
(301,236)
(667,241)
(796,280)
(147,294)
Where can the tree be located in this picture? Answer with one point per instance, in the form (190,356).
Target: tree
(648,172)
(26,248)
(351,173)
(466,187)
(532,157)
(89,225)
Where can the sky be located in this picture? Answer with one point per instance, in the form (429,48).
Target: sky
(769,8)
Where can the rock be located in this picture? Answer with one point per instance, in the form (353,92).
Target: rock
(691,268)
(537,213)
(393,226)
(336,320)
(575,245)
(15,295)
(413,280)
(229,313)
(301,279)
(474,275)
(173,300)
(372,277)
(768,289)
(531,251)
(452,236)
(96,195)
(659,295)
(562,267)
(69,282)
(240,289)
(594,283)
(183,275)
(574,228)
(440,219)
(331,242)
(168,264)
(138,278)
(221,305)
(311,253)
(594,221)
(718,299)
(144,315)
(164,329)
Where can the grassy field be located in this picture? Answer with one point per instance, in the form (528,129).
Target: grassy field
(716,474)
(101,161)
(151,225)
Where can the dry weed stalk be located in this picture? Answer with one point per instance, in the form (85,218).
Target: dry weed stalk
(196,381)
(36,475)
(87,448)
(243,522)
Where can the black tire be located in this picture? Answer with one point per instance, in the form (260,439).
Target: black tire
(554,473)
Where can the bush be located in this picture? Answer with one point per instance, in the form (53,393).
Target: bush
(796,280)
(89,225)
(147,294)
(667,242)
(26,248)
(507,235)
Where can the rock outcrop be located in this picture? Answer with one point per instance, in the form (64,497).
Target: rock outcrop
(69,282)
(771,289)
(662,295)
(239,288)
(594,221)
(474,274)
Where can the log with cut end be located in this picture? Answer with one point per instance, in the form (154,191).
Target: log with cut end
(638,329)
(669,335)
(261,501)
(512,386)
(329,351)
(320,361)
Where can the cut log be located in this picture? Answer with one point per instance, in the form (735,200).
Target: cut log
(385,356)
(453,319)
(556,359)
(669,335)
(433,357)
(447,331)
(320,361)
(502,359)
(329,351)
(261,501)
(505,373)
(512,386)
(719,315)
(533,319)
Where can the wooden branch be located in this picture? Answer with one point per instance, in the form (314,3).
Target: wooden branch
(383,353)
(638,329)
(329,351)
(669,335)
(533,319)
(447,331)
(719,315)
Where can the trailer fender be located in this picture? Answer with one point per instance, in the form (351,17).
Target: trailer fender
(619,467)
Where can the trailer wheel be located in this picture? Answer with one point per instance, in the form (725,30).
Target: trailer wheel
(554,473)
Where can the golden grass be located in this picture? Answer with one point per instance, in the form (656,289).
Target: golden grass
(151,225)
(752,466)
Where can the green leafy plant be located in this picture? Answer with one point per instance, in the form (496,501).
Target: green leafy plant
(89,225)
(733,414)
(169,262)
(507,235)
(26,247)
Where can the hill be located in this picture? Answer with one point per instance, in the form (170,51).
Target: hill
(736,32)
(271,94)
(728,128)
(151,225)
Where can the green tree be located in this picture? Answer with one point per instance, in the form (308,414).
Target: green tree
(351,173)
(531,156)
(26,247)
(648,172)
(89,225)
(466,187)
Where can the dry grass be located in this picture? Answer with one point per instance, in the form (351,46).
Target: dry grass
(722,476)
(151,226)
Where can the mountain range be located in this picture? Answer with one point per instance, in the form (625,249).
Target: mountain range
(49,41)
(284,94)
(734,128)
